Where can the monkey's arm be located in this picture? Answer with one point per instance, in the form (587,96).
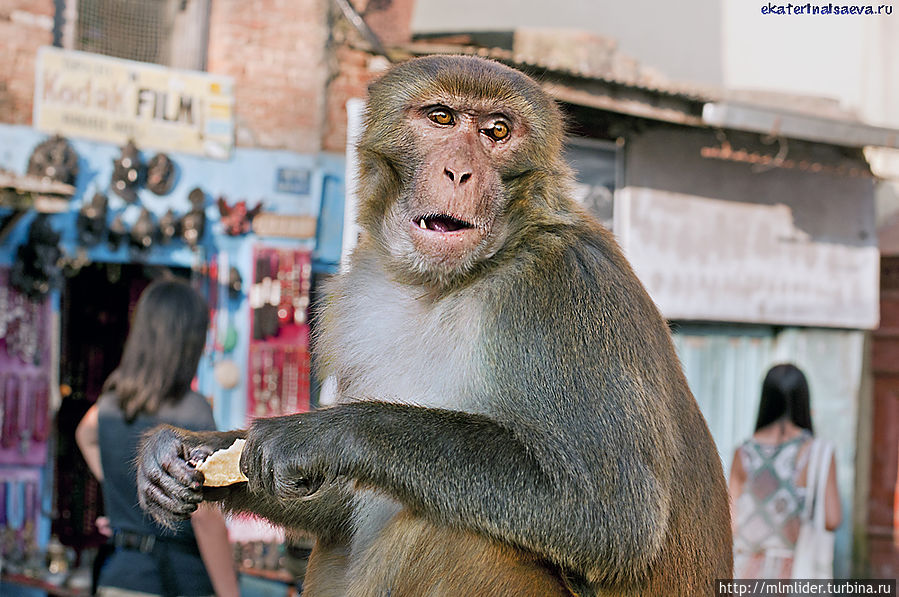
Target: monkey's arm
(468,471)
(170,488)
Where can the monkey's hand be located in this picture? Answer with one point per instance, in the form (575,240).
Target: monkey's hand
(169,488)
(288,457)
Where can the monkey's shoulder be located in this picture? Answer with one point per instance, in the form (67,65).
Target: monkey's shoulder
(578,270)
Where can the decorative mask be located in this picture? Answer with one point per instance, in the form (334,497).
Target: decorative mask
(91,221)
(128,173)
(236,219)
(168,227)
(36,269)
(160,174)
(143,232)
(117,233)
(54,159)
(193,224)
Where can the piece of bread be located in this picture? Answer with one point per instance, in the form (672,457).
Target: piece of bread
(222,467)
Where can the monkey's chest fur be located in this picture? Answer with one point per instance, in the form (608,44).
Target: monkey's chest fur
(434,347)
(435,361)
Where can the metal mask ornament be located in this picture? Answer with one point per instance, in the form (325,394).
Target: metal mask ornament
(160,174)
(168,227)
(143,232)
(237,219)
(128,173)
(193,224)
(235,283)
(117,233)
(54,159)
(36,269)
(91,221)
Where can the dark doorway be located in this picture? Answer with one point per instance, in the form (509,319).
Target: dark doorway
(95,314)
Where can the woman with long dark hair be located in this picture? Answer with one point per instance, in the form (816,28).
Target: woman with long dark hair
(768,479)
(150,386)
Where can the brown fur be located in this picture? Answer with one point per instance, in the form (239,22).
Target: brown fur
(413,558)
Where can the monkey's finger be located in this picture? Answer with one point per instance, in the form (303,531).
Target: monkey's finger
(163,508)
(198,454)
(183,473)
(161,478)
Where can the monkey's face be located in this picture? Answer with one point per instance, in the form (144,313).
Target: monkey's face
(446,138)
(450,212)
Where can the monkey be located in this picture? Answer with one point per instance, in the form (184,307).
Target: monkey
(512,416)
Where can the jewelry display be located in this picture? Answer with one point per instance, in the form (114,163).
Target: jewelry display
(279,349)
(24,377)
(20,502)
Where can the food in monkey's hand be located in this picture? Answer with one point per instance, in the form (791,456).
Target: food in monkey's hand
(222,467)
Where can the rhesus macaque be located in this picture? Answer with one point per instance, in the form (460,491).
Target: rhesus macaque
(513,419)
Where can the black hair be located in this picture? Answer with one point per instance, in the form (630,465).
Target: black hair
(162,350)
(785,395)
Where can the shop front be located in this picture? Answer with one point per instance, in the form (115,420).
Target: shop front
(254,232)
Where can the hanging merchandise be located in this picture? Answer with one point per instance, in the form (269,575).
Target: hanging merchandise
(193,224)
(237,219)
(128,173)
(20,511)
(143,232)
(91,222)
(279,348)
(54,159)
(225,372)
(117,233)
(160,174)
(24,376)
(36,269)
(235,283)
(25,406)
(168,227)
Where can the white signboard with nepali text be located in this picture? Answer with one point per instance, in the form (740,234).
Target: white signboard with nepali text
(706,259)
(79,94)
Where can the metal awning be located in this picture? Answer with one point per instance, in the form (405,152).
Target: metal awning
(782,123)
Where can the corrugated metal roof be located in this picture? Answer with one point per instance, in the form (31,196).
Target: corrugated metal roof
(645,94)
(651,83)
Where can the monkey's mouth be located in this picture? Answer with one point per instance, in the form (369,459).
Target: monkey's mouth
(441,223)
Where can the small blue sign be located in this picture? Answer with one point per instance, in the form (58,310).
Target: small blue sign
(293,180)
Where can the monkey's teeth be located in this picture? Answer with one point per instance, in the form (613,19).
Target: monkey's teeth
(423,225)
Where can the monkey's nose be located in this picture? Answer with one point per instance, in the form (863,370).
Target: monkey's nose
(462,176)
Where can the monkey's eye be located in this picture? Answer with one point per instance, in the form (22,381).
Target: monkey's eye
(440,116)
(498,131)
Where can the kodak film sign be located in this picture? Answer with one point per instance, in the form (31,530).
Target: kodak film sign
(79,94)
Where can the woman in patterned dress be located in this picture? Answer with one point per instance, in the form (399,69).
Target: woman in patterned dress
(768,478)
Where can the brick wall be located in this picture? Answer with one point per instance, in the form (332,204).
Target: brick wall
(355,70)
(293,72)
(276,50)
(25,25)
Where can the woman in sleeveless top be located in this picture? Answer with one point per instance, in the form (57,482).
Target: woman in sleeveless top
(767,480)
(151,386)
